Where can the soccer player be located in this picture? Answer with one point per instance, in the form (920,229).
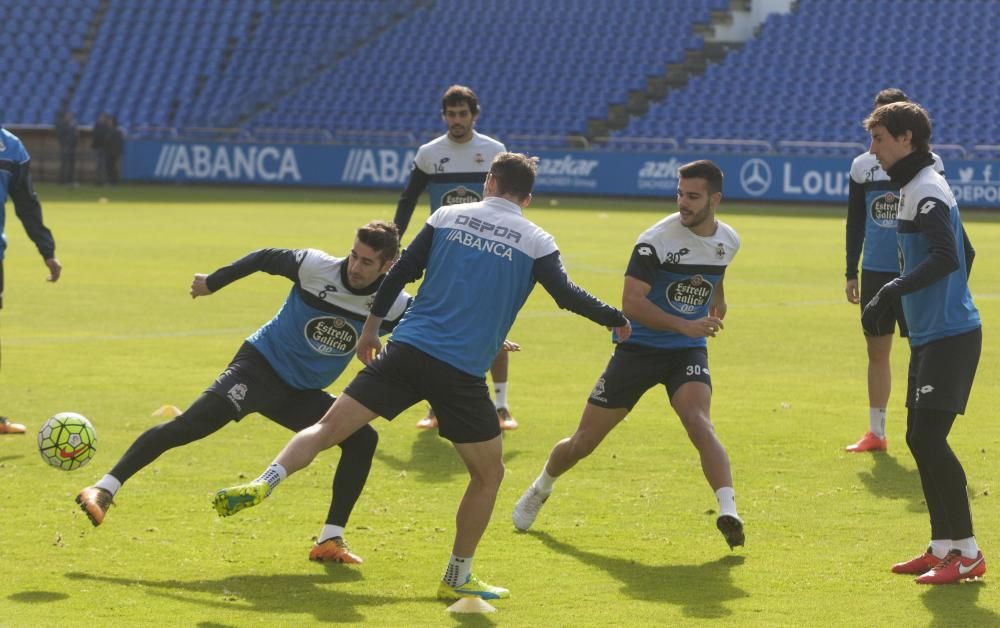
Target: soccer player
(15,182)
(282,368)
(482,260)
(871,224)
(452,168)
(945,334)
(674,297)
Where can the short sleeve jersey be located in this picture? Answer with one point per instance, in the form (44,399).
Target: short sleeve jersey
(311,340)
(945,307)
(457,171)
(12,155)
(479,273)
(881,198)
(683,270)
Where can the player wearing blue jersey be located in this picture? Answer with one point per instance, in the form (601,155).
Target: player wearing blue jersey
(945,334)
(15,182)
(282,368)
(452,168)
(481,261)
(871,225)
(674,296)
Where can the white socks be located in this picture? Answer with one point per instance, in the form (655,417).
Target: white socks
(727,501)
(968,547)
(543,483)
(876,421)
(109,483)
(273,475)
(458,571)
(940,547)
(500,395)
(330,531)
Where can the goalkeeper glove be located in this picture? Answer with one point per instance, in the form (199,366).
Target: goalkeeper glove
(871,317)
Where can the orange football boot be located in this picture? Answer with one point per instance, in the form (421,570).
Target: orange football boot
(334,550)
(95,502)
(868,442)
(954,568)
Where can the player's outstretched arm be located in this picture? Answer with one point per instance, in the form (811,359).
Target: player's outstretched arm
(549,272)
(199,286)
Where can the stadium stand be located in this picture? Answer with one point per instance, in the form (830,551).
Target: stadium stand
(371,71)
(38,83)
(806,81)
(543,74)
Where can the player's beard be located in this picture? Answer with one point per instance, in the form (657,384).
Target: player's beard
(697,216)
(459,132)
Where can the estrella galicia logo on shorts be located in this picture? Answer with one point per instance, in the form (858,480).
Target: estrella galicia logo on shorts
(458,195)
(331,336)
(689,295)
(883,210)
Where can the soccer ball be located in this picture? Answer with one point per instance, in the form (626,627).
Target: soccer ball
(67,441)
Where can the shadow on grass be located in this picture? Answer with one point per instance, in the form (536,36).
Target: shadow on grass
(701,589)
(474,620)
(11,457)
(37,597)
(432,459)
(280,594)
(891,480)
(955,605)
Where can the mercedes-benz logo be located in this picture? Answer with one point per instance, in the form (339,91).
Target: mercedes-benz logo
(755,176)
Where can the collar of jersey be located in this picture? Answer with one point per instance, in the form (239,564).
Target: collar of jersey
(495,202)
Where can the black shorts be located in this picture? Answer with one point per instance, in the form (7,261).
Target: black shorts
(634,369)
(871,282)
(941,372)
(250,384)
(403,375)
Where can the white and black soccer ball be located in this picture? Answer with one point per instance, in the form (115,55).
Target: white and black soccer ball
(67,441)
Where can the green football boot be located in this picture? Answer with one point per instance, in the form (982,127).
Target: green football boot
(473,587)
(230,501)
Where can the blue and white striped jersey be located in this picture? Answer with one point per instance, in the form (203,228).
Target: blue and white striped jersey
(312,338)
(479,274)
(929,219)
(874,199)
(457,171)
(683,270)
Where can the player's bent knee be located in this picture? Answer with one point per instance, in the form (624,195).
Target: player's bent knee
(365,440)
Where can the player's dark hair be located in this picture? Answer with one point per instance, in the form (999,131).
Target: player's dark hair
(900,117)
(703,169)
(381,236)
(514,174)
(890,95)
(458,94)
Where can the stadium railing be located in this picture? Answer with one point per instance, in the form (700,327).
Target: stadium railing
(639,143)
(733,145)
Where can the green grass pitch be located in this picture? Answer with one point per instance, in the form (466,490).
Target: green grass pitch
(628,537)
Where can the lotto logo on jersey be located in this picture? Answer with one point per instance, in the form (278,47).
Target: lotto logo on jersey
(884,208)
(689,295)
(459,195)
(331,336)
